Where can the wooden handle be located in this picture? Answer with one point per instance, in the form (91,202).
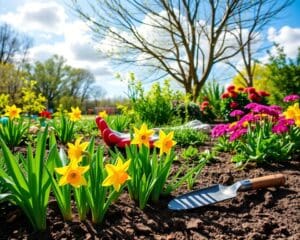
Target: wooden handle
(268,181)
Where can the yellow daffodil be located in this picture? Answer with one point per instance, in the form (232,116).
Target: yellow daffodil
(293,112)
(12,112)
(103,114)
(75,114)
(142,136)
(72,174)
(76,150)
(165,142)
(117,174)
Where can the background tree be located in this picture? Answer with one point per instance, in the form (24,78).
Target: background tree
(50,77)
(284,76)
(180,38)
(13,46)
(260,76)
(61,83)
(11,81)
(248,36)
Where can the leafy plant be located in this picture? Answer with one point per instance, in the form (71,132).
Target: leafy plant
(28,181)
(64,128)
(190,154)
(119,122)
(211,93)
(188,111)
(12,131)
(155,106)
(186,137)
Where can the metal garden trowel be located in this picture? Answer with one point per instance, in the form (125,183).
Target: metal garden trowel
(218,193)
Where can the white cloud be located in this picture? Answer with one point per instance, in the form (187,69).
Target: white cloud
(41,16)
(287,37)
(55,33)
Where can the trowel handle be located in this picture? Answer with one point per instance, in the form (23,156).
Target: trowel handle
(267,181)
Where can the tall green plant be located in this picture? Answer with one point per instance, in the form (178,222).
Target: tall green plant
(28,181)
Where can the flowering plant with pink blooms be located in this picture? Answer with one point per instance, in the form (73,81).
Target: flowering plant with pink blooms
(235,98)
(260,133)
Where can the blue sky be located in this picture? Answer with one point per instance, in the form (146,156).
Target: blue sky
(55,30)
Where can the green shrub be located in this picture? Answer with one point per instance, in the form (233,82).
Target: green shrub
(188,111)
(154,107)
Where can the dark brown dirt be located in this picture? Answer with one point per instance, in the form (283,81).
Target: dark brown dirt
(272,213)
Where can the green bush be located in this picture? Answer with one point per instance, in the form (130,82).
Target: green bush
(154,107)
(189,111)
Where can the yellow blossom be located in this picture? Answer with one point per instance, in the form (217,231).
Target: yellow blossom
(72,174)
(165,142)
(142,136)
(293,112)
(75,115)
(103,114)
(76,150)
(12,112)
(117,174)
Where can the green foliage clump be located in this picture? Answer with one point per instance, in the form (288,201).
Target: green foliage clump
(155,106)
(188,111)
(186,137)
(283,77)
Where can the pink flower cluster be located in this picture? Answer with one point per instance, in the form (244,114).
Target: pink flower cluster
(291,98)
(258,114)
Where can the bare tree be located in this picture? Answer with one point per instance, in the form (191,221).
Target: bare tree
(180,38)
(13,46)
(249,25)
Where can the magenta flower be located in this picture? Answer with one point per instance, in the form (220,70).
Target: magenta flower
(259,108)
(282,125)
(236,113)
(237,134)
(291,98)
(251,106)
(219,130)
(247,118)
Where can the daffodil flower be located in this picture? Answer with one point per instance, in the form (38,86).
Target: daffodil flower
(165,142)
(117,174)
(76,150)
(142,136)
(103,114)
(12,112)
(72,174)
(75,114)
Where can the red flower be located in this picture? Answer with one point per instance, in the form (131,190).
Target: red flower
(263,93)
(45,114)
(254,97)
(250,90)
(233,94)
(234,105)
(225,95)
(241,89)
(231,88)
(204,105)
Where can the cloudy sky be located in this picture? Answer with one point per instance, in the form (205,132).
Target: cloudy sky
(55,30)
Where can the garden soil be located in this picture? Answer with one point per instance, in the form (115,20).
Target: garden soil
(272,213)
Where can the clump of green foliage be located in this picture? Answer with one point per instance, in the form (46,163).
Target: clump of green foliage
(155,106)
